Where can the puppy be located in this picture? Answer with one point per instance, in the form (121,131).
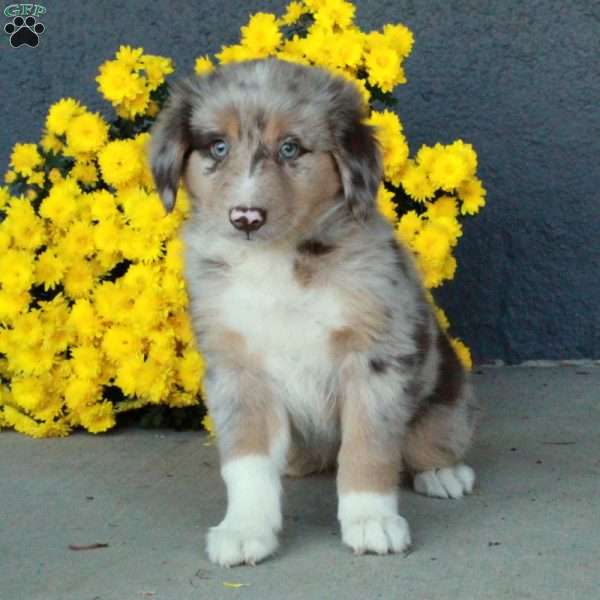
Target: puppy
(319,342)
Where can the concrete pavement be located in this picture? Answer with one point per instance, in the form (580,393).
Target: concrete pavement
(531,530)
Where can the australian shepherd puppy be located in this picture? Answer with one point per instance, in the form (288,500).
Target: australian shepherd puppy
(320,344)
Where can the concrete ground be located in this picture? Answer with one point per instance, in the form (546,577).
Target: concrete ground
(531,530)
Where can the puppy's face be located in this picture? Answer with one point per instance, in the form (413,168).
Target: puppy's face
(268,166)
(265,148)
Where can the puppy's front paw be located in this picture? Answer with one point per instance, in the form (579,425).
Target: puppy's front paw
(451,482)
(370,523)
(229,546)
(378,535)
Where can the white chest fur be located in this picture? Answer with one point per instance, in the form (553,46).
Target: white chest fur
(288,326)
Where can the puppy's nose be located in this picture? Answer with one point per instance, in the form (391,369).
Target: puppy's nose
(247,219)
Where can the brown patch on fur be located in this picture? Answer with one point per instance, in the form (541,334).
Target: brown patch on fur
(366,461)
(427,442)
(347,339)
(229,121)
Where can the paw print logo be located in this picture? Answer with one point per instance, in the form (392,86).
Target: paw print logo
(24,31)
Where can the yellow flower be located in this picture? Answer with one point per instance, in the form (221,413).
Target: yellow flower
(120,162)
(24,226)
(16,270)
(86,134)
(155,69)
(51,143)
(443,207)
(78,241)
(385,205)
(442,319)
(106,236)
(86,362)
(203,65)
(463,353)
(25,158)
(83,320)
(79,279)
(190,371)
(415,182)
(334,12)
(293,12)
(117,81)
(208,424)
(348,49)
(261,36)
(408,226)
(129,56)
(131,107)
(98,417)
(449,170)
(85,172)
(432,243)
(60,115)
(12,304)
(10,176)
(49,269)
(129,372)
(79,393)
(383,64)
(60,206)
(119,342)
(472,194)
(399,37)
(393,144)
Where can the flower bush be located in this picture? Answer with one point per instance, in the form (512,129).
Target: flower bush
(93,315)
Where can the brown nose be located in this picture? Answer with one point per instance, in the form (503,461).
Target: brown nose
(247,219)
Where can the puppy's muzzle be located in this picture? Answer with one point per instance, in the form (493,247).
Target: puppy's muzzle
(247,219)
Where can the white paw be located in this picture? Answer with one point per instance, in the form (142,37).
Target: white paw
(228,547)
(370,523)
(450,482)
(379,535)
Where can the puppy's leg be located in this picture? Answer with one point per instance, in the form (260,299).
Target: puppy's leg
(369,461)
(253,438)
(440,433)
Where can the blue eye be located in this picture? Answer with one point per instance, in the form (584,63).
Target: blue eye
(219,149)
(289,150)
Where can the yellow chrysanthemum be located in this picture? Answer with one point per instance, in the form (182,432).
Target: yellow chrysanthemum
(330,13)
(399,38)
(120,162)
(415,182)
(261,35)
(443,207)
(25,158)
(190,371)
(83,320)
(449,170)
(293,12)
(49,269)
(79,279)
(98,417)
(408,226)
(16,270)
(463,353)
(119,342)
(24,227)
(203,65)
(51,143)
(472,194)
(392,142)
(85,172)
(86,362)
(155,69)
(117,81)
(60,206)
(385,205)
(60,115)
(86,134)
(384,66)
(129,56)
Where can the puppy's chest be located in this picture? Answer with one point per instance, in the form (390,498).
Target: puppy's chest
(286,324)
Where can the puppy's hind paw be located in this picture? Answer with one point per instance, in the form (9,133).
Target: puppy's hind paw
(377,535)
(229,547)
(450,482)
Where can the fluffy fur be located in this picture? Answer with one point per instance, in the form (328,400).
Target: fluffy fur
(319,342)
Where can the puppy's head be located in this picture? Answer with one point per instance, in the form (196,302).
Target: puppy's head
(265,148)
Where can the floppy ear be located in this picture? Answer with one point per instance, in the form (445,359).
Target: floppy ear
(170,144)
(356,152)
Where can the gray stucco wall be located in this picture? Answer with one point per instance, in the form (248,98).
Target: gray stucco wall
(518,79)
